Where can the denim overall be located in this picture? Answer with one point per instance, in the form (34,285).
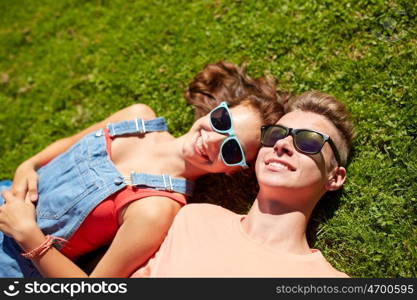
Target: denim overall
(75,182)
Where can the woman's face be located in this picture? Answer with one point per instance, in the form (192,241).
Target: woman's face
(286,169)
(202,144)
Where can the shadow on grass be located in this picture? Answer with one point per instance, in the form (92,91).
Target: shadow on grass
(324,210)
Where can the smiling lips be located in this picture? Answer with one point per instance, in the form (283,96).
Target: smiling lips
(278,165)
(200,146)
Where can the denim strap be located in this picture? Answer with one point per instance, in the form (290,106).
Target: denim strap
(4,185)
(162,182)
(137,126)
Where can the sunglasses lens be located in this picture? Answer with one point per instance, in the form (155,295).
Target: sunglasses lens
(231,152)
(220,119)
(309,142)
(270,135)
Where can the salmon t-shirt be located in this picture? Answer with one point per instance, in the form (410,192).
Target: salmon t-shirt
(207,240)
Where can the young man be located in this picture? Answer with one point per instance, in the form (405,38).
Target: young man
(302,157)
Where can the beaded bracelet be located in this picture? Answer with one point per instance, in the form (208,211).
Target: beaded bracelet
(45,246)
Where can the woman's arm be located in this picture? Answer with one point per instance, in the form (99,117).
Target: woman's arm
(144,225)
(25,178)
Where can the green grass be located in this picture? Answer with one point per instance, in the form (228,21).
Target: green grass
(67,64)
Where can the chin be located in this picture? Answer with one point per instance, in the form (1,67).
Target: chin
(275,181)
(188,151)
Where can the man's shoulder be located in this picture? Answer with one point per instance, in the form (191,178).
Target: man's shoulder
(203,213)
(326,268)
(203,209)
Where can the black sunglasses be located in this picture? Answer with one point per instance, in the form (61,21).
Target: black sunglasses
(305,140)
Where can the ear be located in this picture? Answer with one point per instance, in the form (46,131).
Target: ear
(336,179)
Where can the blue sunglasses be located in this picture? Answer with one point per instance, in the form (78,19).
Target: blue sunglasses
(231,151)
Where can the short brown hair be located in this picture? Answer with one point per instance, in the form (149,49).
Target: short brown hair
(331,108)
(224,81)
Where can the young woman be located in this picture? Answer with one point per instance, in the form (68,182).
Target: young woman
(88,184)
(302,157)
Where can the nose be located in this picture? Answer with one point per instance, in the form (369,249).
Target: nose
(214,140)
(284,146)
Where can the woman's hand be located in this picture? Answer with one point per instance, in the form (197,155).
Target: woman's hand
(25,182)
(17,217)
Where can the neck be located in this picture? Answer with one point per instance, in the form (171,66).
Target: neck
(278,225)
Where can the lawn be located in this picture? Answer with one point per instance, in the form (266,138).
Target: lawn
(65,65)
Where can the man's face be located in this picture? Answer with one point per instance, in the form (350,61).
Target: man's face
(284,167)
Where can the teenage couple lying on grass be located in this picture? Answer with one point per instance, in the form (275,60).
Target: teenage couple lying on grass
(81,193)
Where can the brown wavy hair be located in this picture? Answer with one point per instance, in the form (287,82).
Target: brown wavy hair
(224,81)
